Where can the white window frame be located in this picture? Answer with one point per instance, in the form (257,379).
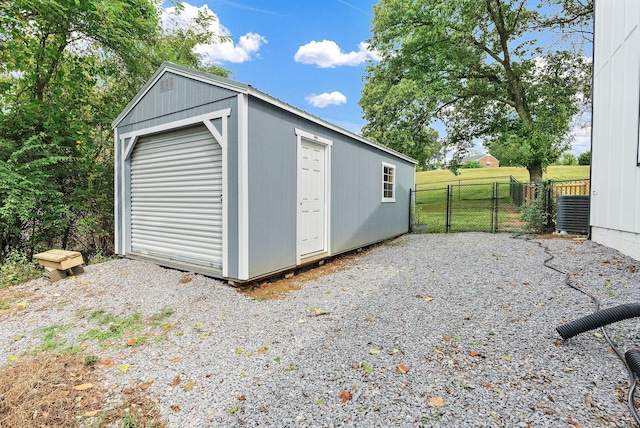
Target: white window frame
(393,182)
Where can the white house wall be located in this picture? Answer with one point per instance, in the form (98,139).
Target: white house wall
(615,170)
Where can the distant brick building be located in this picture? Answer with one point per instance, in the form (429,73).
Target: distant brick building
(486,160)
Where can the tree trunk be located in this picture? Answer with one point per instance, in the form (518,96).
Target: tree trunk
(535,172)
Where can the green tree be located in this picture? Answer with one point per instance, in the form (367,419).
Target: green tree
(476,66)
(568,159)
(585,158)
(67,68)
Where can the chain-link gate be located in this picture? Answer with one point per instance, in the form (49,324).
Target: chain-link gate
(486,207)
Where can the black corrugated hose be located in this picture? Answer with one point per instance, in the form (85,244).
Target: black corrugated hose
(632,355)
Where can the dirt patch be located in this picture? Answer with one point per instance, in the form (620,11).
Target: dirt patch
(55,390)
(280,287)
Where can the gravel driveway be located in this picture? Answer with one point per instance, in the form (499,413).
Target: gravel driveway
(471,316)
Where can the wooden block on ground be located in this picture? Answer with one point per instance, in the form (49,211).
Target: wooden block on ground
(59,259)
(76,270)
(53,274)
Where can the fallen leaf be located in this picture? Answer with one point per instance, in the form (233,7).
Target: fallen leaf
(506,358)
(233,410)
(428,299)
(242,398)
(106,361)
(239,351)
(188,386)
(556,344)
(146,385)
(291,367)
(345,396)
(436,401)
(300,321)
(242,373)
(199,324)
(83,386)
(166,326)
(588,401)
(598,335)
(84,345)
(402,368)
(175,408)
(473,354)
(261,351)
(124,367)
(12,357)
(176,380)
(132,342)
(249,354)
(367,368)
(367,319)
(447,338)
(374,351)
(575,424)
(318,311)
(174,359)
(21,304)
(487,385)
(91,414)
(568,369)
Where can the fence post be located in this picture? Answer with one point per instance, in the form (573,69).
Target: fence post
(548,202)
(411,210)
(447,221)
(496,207)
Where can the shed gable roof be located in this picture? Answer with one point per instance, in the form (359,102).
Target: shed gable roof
(246,89)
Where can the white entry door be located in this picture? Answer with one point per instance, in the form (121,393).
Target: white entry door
(312,198)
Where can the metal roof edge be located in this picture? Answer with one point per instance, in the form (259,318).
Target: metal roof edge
(295,110)
(168,66)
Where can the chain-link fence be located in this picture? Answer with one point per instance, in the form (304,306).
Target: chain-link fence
(489,207)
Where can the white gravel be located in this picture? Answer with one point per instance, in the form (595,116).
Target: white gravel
(471,315)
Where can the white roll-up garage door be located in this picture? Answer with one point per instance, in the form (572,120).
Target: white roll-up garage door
(176,197)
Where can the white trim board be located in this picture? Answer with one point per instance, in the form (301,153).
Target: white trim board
(300,135)
(221,138)
(243,187)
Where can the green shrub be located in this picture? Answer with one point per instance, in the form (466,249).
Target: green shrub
(534,216)
(17,268)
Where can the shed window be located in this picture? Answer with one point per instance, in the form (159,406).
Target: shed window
(388,182)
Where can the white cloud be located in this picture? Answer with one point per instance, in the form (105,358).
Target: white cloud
(327,54)
(326,99)
(242,50)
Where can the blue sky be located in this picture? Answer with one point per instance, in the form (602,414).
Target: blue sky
(311,54)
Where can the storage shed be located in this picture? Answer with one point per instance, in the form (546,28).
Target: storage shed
(216,177)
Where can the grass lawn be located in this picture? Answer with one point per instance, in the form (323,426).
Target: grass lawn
(435,179)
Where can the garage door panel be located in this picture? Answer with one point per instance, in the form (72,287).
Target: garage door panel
(176,197)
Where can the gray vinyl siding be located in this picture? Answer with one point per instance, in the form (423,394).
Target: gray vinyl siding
(357,217)
(188,98)
(272,188)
